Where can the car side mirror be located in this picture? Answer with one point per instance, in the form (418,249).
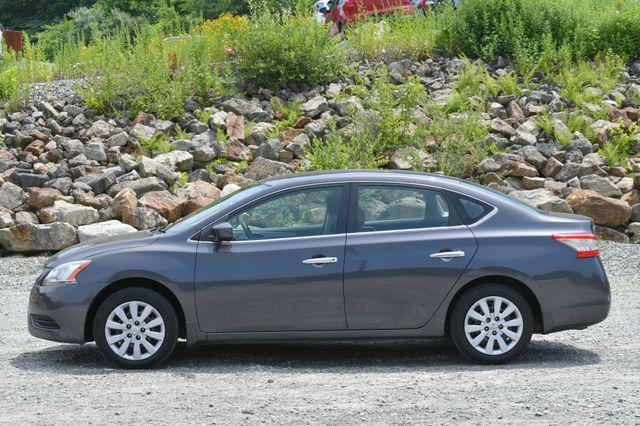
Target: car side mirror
(222,232)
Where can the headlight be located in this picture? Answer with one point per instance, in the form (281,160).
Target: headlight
(65,273)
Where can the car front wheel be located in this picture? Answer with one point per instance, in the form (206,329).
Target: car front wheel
(136,328)
(491,324)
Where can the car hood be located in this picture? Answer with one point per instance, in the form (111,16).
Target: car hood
(103,245)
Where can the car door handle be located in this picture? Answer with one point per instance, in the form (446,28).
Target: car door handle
(320,260)
(446,256)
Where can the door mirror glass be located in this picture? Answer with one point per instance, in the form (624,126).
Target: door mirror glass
(222,232)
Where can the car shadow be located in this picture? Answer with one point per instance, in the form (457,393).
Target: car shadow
(380,356)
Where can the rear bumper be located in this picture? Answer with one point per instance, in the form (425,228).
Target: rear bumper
(582,299)
(58,313)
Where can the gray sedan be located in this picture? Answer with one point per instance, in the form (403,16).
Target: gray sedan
(343,255)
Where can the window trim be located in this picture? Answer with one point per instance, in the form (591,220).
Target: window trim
(341,224)
(352,220)
(349,187)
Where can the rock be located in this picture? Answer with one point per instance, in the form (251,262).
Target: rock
(119,139)
(260,133)
(634,229)
(124,200)
(533,182)
(632,197)
(348,106)
(237,151)
(601,185)
(552,167)
(100,130)
(543,199)
(147,166)
(249,110)
(235,126)
(30,237)
(602,130)
(228,189)
(263,168)
(625,184)
(95,151)
(26,217)
(100,182)
(143,132)
(408,158)
(6,220)
(218,120)
(140,186)
(43,197)
(524,138)
(194,204)
(11,196)
(181,160)
(198,189)
(165,203)
(143,218)
(103,230)
(609,234)
(502,127)
(73,214)
(28,180)
(514,111)
(315,107)
(635,213)
(603,210)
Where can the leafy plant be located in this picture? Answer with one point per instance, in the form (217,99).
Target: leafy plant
(617,150)
(280,49)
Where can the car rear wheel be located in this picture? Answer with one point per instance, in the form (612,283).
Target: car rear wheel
(136,328)
(491,323)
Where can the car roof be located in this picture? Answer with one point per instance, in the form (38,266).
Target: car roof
(383,176)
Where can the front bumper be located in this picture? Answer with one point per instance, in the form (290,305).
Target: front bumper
(58,313)
(582,299)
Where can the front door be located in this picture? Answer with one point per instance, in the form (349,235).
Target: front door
(406,248)
(283,270)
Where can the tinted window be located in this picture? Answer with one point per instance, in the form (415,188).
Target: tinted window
(385,208)
(470,209)
(303,213)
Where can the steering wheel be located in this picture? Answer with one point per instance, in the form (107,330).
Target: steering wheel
(245,227)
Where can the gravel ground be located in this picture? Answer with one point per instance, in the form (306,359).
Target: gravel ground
(56,89)
(590,376)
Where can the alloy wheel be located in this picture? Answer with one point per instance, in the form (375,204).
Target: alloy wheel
(135,330)
(493,325)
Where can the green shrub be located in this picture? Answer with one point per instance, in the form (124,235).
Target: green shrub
(339,153)
(395,37)
(525,29)
(279,49)
(617,150)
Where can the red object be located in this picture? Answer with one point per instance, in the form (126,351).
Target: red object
(586,245)
(13,40)
(348,11)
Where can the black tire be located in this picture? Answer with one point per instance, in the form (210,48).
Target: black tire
(470,298)
(150,297)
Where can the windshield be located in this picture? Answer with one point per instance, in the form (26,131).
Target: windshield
(214,208)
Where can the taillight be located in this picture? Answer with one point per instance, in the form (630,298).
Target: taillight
(586,245)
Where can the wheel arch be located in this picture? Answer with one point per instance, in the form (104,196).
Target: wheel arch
(129,283)
(519,286)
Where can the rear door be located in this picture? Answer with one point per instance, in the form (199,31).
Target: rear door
(406,248)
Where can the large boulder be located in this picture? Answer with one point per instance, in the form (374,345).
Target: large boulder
(29,237)
(315,106)
(165,203)
(543,199)
(250,110)
(143,218)
(601,185)
(11,196)
(43,197)
(103,230)
(198,189)
(139,186)
(263,168)
(124,200)
(73,214)
(181,160)
(603,210)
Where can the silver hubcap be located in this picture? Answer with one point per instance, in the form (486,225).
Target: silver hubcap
(493,325)
(134,330)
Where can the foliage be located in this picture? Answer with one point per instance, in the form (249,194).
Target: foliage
(277,50)
(528,28)
(339,153)
(578,80)
(18,70)
(617,150)
(395,37)
(156,145)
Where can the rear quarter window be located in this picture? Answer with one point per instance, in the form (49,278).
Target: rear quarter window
(470,209)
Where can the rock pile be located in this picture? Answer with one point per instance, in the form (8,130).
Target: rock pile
(68,174)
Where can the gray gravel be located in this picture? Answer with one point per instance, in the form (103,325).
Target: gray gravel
(56,89)
(590,376)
